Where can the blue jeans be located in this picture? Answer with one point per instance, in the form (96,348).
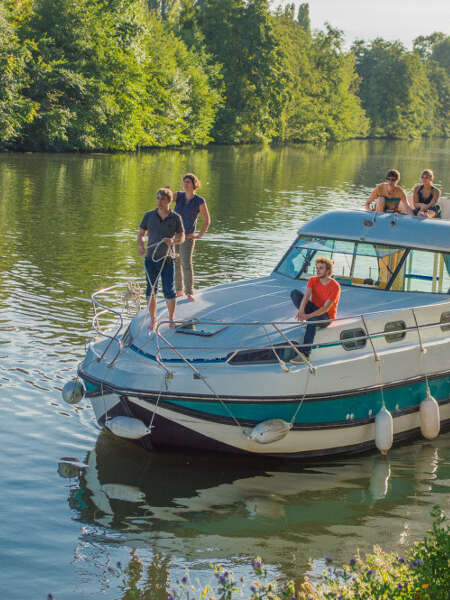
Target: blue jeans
(153,269)
(310,332)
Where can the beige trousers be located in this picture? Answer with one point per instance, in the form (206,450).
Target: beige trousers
(184,270)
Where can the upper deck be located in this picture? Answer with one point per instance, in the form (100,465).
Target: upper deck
(381,228)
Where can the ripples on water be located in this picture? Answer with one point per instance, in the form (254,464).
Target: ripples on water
(74,500)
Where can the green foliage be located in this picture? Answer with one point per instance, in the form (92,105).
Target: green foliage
(126,74)
(15,109)
(110,76)
(434,51)
(321,103)
(303,17)
(240,37)
(395,90)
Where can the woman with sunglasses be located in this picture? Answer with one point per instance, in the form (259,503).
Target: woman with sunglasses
(189,206)
(389,196)
(426,196)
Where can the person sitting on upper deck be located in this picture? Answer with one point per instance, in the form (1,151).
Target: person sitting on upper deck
(389,196)
(319,302)
(426,196)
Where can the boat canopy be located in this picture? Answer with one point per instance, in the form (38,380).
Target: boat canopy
(381,228)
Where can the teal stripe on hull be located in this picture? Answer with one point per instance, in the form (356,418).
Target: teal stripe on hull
(324,411)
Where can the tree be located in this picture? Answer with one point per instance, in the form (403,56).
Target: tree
(240,37)
(393,89)
(16,109)
(303,17)
(110,76)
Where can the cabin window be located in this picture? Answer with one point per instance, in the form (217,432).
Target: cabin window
(398,329)
(445,318)
(348,340)
(355,263)
(426,271)
(262,355)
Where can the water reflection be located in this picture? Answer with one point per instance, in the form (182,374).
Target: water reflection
(214,508)
(68,227)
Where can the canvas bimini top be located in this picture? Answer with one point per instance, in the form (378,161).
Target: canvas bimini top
(381,228)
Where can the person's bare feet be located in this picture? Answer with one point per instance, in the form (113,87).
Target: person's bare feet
(171,324)
(190,297)
(179,293)
(152,325)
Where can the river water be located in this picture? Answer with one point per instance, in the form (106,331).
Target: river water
(74,500)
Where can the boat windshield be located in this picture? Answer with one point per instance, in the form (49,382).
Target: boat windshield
(368,264)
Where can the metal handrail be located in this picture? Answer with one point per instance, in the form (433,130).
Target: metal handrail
(275,324)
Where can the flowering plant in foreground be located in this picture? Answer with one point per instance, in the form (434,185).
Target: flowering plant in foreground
(422,574)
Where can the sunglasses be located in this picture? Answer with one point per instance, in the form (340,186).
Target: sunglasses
(426,176)
(391,178)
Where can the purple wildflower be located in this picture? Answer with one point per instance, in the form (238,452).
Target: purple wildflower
(401,560)
(119,564)
(110,569)
(50,597)
(328,559)
(170,597)
(184,580)
(370,572)
(352,561)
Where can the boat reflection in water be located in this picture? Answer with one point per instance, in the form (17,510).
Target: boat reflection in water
(203,508)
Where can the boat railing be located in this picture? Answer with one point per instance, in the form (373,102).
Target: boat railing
(101,310)
(280,328)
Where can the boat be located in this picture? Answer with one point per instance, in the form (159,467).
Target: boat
(231,375)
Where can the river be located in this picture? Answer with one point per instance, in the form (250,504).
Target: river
(74,500)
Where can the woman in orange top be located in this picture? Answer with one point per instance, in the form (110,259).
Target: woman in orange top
(320,301)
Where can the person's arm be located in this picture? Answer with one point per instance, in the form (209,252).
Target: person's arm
(373,196)
(301,315)
(320,311)
(204,214)
(178,237)
(416,201)
(435,199)
(141,240)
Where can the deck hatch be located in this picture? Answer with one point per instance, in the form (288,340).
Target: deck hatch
(195,327)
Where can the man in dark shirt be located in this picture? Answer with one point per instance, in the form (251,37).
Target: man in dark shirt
(164,229)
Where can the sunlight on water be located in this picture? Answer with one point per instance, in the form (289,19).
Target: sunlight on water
(75,501)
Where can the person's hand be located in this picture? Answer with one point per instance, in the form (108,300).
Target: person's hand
(141,250)
(169,241)
(301,316)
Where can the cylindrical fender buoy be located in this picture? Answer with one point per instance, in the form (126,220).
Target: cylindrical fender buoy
(384,430)
(430,421)
(73,392)
(270,431)
(127,427)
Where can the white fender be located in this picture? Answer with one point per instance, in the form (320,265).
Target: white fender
(127,427)
(270,431)
(384,430)
(73,391)
(430,421)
